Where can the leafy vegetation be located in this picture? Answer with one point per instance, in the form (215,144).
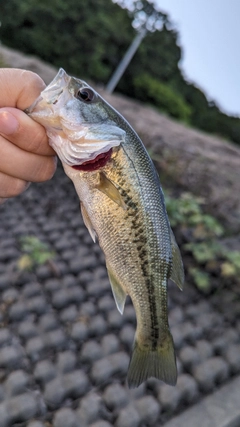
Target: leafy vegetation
(89,38)
(162,96)
(201,236)
(34,253)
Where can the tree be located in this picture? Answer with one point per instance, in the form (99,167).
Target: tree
(88,39)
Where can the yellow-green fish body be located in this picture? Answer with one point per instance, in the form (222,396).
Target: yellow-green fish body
(123,207)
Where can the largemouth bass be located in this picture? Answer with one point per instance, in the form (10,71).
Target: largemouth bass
(122,204)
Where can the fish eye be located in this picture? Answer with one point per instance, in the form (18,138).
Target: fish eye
(85,94)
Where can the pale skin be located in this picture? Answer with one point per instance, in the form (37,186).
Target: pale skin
(25,155)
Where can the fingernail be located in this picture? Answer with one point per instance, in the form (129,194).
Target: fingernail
(8,123)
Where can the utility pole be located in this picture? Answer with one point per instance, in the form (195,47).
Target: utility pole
(146,18)
(125,60)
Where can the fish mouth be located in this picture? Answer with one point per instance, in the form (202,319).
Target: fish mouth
(95,164)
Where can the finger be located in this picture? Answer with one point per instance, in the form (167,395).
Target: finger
(11,187)
(19,88)
(25,165)
(22,131)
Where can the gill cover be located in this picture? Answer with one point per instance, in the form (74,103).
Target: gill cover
(78,130)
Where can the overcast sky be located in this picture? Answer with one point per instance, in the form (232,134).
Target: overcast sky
(210,38)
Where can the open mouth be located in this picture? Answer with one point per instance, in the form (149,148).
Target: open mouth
(97,163)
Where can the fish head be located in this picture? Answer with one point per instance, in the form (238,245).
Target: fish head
(77,120)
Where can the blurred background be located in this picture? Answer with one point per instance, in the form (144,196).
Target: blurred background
(84,38)
(64,348)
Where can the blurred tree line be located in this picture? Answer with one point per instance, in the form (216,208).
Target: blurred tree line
(88,39)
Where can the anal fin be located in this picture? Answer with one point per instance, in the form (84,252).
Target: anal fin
(177,274)
(118,292)
(88,223)
(107,187)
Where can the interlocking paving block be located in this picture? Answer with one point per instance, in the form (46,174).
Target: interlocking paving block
(69,314)
(98,326)
(232,356)
(178,336)
(88,309)
(32,289)
(52,285)
(18,311)
(4,415)
(128,417)
(37,304)
(55,339)
(35,348)
(36,424)
(101,370)
(176,316)
(79,331)
(115,396)
(204,349)
(66,361)
(221,409)
(54,393)
(76,265)
(16,383)
(106,303)
(5,280)
(115,319)
(11,357)
(91,351)
(225,339)
(119,362)
(2,393)
(89,409)
(109,344)
(136,393)
(189,356)
(169,397)
(76,383)
(127,335)
(48,322)
(5,336)
(148,409)
(188,388)
(65,417)
(211,371)
(10,295)
(191,332)
(44,371)
(27,329)
(101,424)
(22,407)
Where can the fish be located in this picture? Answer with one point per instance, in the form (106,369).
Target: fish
(122,205)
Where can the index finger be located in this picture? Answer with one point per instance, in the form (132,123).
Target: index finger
(29,135)
(19,88)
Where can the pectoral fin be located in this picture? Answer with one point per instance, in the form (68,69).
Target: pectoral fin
(88,223)
(177,274)
(118,292)
(108,188)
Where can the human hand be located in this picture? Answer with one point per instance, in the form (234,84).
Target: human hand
(25,155)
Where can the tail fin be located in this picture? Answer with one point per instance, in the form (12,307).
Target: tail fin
(159,363)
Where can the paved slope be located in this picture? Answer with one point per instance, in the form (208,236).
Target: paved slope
(64,348)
